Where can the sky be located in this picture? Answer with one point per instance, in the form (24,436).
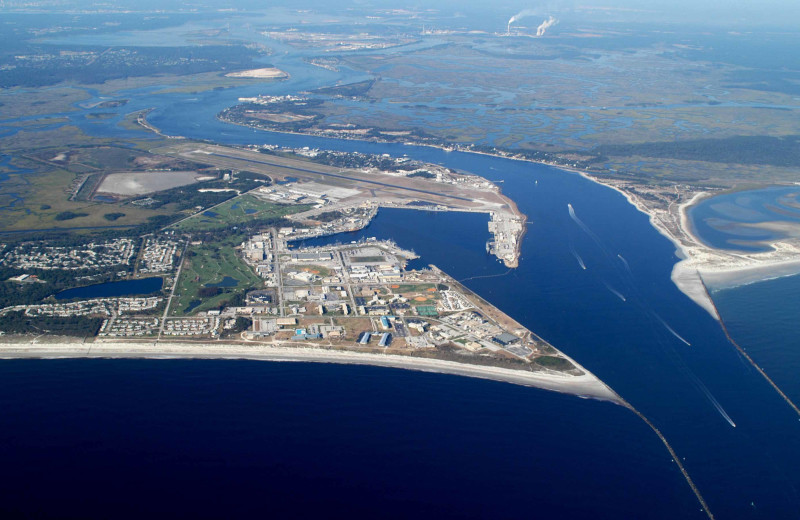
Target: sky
(742,13)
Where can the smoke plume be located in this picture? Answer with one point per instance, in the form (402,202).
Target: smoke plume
(521,14)
(551,21)
(545,25)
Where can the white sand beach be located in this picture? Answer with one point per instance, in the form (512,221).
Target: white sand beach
(586,385)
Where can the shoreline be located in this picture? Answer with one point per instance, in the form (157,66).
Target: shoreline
(700,265)
(723,269)
(585,386)
(686,278)
(703,267)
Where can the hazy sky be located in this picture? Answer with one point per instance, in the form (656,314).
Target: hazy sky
(743,13)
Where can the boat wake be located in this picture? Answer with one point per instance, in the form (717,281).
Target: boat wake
(713,401)
(578,258)
(586,229)
(615,292)
(666,326)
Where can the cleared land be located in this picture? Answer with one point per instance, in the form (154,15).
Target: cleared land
(139,183)
(265,73)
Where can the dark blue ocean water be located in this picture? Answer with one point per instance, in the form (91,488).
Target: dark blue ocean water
(136,287)
(763,318)
(233,439)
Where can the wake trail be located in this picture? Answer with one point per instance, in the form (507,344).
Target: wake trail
(713,400)
(586,230)
(578,258)
(666,326)
(615,292)
(625,263)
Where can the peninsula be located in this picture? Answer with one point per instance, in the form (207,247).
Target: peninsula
(236,285)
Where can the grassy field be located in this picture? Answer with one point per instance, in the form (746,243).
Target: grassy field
(45,193)
(237,211)
(419,288)
(210,263)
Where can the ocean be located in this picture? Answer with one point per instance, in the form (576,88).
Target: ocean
(212,439)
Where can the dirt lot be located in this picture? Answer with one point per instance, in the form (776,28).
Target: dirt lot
(139,183)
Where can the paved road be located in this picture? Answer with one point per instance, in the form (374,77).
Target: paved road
(172,292)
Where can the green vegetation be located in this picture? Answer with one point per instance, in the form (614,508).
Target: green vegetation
(238,211)
(69,215)
(329,216)
(241,325)
(51,281)
(17,323)
(286,115)
(113,216)
(766,150)
(89,185)
(405,288)
(207,264)
(102,64)
(427,310)
(554,363)
(46,189)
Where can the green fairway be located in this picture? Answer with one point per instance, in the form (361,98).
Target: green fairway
(238,211)
(206,265)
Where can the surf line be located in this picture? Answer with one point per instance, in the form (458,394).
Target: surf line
(675,458)
(745,354)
